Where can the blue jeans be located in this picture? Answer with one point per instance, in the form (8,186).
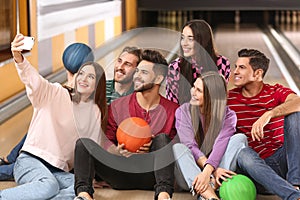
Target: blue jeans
(6,171)
(186,167)
(38,180)
(279,172)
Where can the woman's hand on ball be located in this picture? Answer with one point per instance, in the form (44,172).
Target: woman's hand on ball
(222,174)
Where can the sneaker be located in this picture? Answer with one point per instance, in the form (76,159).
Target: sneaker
(80,198)
(192,191)
(3,162)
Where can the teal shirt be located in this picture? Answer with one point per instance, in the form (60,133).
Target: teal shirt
(111,94)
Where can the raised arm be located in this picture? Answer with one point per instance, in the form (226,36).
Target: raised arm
(38,89)
(16,50)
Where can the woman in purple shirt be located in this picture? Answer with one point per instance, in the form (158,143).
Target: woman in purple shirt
(207,152)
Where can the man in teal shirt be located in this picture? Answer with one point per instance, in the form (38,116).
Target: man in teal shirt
(124,69)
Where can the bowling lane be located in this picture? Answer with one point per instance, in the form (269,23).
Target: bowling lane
(290,25)
(230,39)
(292,33)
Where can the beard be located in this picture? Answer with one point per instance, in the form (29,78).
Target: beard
(143,86)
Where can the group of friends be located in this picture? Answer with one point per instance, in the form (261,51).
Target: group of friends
(202,134)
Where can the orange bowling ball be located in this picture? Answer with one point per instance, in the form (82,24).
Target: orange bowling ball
(133,132)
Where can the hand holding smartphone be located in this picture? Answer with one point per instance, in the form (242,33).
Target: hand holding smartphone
(28,43)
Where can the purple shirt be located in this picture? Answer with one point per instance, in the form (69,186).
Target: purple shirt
(186,134)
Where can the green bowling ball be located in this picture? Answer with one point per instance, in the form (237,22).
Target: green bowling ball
(239,187)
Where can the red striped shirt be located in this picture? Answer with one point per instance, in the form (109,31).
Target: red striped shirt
(248,110)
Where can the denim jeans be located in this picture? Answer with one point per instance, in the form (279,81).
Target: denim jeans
(14,153)
(279,172)
(6,171)
(154,170)
(37,180)
(188,168)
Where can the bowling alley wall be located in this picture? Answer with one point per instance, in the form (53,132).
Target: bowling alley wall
(55,24)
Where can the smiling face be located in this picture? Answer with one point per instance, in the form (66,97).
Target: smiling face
(243,73)
(197,93)
(144,77)
(125,67)
(86,81)
(187,42)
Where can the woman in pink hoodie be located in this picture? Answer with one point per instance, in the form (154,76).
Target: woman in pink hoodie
(59,119)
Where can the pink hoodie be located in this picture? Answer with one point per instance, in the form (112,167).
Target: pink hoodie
(57,122)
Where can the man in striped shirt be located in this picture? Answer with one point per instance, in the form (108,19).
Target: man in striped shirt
(269,115)
(124,69)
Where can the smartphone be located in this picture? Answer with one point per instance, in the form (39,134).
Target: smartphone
(28,43)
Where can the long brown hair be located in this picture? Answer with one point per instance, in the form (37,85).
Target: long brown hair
(214,105)
(99,95)
(205,55)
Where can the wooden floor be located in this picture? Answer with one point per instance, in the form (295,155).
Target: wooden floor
(111,194)
(13,130)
